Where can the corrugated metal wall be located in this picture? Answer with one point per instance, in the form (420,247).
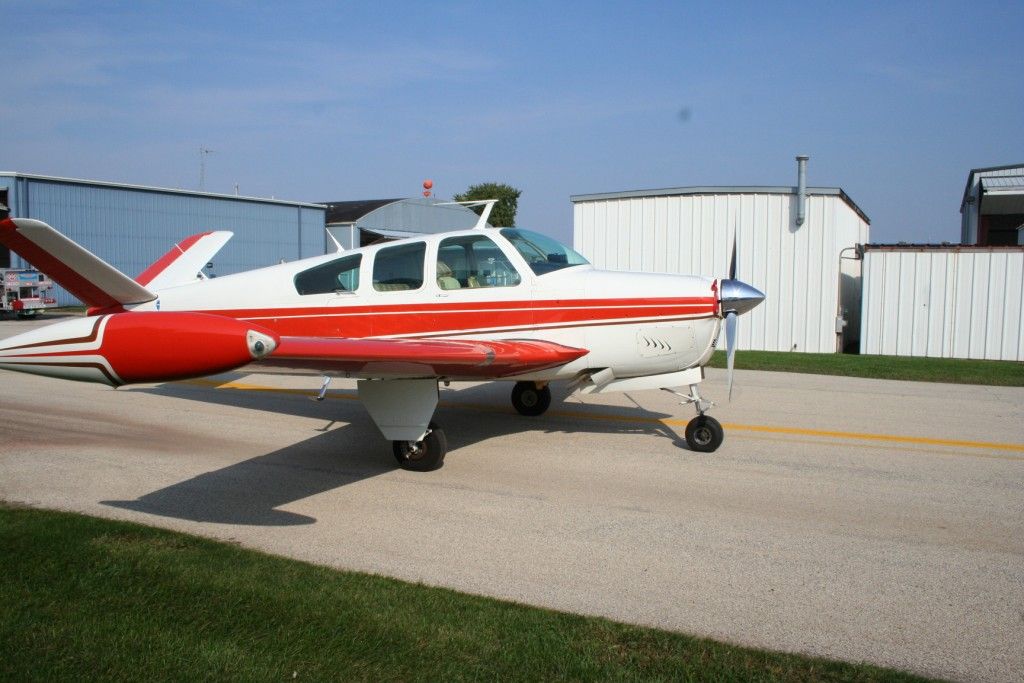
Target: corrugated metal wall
(798,269)
(944,304)
(132,227)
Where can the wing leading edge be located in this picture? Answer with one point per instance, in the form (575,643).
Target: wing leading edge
(455,358)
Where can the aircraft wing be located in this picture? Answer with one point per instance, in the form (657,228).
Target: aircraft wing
(456,358)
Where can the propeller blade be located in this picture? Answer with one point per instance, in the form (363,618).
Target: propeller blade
(732,259)
(730,346)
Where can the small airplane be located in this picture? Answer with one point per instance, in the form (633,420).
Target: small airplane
(400,317)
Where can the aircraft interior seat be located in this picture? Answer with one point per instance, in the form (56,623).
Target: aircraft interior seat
(390,286)
(444,277)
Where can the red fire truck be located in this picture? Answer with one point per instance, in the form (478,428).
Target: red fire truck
(25,292)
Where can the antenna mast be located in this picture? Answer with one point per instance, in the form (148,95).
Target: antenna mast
(202,167)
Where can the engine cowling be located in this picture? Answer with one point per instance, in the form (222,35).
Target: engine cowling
(131,348)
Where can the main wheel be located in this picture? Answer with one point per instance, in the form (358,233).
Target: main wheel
(529,400)
(425,455)
(704,434)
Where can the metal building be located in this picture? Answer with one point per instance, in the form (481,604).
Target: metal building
(131,226)
(992,209)
(807,269)
(944,302)
(353,224)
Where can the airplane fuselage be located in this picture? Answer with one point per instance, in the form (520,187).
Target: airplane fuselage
(636,323)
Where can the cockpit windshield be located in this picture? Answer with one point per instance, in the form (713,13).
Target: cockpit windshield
(543,254)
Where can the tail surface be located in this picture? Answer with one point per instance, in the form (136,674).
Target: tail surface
(183,263)
(94,281)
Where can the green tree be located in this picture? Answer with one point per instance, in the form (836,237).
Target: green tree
(504,212)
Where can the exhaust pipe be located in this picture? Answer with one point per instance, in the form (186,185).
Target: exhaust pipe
(801,188)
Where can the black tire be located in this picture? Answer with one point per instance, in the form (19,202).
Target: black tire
(704,434)
(425,455)
(527,399)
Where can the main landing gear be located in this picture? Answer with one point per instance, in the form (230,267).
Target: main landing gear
(402,409)
(704,433)
(424,455)
(530,399)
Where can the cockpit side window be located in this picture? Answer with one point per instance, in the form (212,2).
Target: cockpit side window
(399,268)
(473,261)
(543,254)
(339,275)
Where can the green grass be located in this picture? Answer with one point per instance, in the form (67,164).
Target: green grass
(952,370)
(82,597)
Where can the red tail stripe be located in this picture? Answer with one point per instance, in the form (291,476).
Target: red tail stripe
(161,264)
(87,292)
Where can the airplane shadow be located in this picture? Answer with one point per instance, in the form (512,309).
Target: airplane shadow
(250,492)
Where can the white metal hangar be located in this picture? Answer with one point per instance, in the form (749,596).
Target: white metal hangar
(800,249)
(944,301)
(131,226)
(954,301)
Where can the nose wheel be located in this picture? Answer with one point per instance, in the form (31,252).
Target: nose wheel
(704,434)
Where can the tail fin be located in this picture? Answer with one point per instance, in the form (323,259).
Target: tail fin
(94,281)
(182,264)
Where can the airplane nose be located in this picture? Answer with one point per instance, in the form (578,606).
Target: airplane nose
(739,296)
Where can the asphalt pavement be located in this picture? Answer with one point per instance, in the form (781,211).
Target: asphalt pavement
(865,520)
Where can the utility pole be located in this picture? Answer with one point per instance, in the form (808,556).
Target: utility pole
(202,167)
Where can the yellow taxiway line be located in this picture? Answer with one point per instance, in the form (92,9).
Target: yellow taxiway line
(672,422)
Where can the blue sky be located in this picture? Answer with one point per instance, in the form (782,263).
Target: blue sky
(895,102)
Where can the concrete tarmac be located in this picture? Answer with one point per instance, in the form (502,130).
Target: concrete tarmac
(864,520)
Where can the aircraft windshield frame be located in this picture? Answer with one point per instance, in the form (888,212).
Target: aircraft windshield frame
(543,254)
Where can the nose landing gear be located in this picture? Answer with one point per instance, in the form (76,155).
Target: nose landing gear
(704,433)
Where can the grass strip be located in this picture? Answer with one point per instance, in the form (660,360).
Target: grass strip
(951,370)
(82,597)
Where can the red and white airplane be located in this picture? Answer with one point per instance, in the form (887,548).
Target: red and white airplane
(478,304)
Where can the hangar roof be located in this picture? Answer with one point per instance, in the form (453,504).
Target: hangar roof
(993,180)
(720,189)
(352,211)
(148,188)
(401,217)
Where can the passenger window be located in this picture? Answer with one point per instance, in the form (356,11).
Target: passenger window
(399,268)
(472,261)
(339,275)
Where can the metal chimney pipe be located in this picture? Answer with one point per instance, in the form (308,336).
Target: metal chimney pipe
(801,188)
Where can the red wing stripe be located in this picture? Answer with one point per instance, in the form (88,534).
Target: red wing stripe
(437,357)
